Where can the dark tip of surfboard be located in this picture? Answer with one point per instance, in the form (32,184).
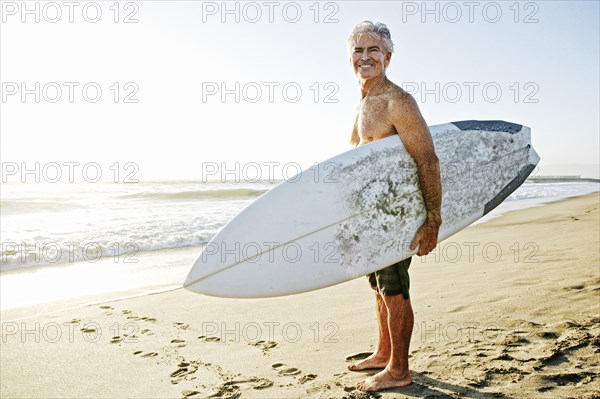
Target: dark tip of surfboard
(490,126)
(510,188)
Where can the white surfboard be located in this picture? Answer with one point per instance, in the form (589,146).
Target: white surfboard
(358,212)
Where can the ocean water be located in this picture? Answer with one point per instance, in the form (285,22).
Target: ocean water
(532,194)
(47,224)
(60,241)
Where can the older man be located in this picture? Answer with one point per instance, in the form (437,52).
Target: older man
(385,109)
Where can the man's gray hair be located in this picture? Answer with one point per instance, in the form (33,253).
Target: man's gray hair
(378,28)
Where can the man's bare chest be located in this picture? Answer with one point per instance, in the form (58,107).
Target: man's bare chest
(373,121)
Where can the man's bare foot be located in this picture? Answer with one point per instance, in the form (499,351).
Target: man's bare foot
(384,380)
(375,361)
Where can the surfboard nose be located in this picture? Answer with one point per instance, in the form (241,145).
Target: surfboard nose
(188,280)
(197,273)
(201,277)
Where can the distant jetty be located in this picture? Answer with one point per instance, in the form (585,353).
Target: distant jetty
(563,178)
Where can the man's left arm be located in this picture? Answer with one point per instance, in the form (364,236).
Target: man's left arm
(415,136)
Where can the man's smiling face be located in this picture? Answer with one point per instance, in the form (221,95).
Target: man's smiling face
(369,57)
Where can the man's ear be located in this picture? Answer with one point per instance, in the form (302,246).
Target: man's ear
(388,57)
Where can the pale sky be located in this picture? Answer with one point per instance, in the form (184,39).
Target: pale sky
(533,63)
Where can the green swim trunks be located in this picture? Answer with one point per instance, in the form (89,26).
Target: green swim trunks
(392,280)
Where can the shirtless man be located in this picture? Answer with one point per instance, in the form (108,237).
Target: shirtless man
(385,109)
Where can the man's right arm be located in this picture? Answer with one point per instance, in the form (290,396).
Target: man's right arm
(415,136)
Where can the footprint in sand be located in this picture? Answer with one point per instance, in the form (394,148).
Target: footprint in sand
(226,392)
(562,379)
(116,340)
(184,369)
(358,356)
(145,318)
(179,372)
(181,326)
(108,310)
(264,345)
(515,340)
(493,330)
(179,343)
(289,371)
(188,393)
(232,389)
(150,354)
(283,371)
(306,378)
(253,382)
(204,338)
(547,335)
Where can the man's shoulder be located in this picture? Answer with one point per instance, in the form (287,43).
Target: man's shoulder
(398,97)
(398,93)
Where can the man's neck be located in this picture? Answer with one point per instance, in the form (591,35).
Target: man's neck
(372,86)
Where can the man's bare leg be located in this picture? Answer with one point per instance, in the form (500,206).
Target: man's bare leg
(381,357)
(400,325)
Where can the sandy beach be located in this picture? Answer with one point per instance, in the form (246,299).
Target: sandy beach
(505,309)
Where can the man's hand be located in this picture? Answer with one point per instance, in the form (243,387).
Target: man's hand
(426,236)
